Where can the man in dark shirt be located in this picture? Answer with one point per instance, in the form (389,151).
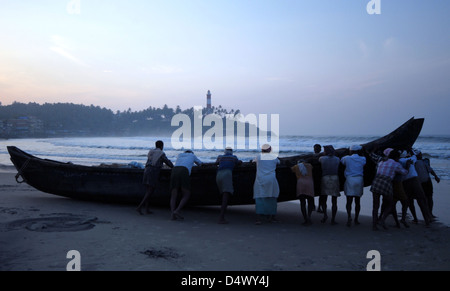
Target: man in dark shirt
(156,158)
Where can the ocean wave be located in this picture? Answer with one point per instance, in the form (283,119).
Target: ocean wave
(92,151)
(434,139)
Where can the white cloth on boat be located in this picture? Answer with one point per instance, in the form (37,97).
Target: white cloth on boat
(302,169)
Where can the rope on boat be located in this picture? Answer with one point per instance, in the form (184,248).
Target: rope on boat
(20,172)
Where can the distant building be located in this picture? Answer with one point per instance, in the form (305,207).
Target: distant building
(23,126)
(208,101)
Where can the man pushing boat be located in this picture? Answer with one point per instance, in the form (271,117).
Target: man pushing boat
(156,158)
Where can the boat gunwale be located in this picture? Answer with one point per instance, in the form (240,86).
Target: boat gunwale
(286,161)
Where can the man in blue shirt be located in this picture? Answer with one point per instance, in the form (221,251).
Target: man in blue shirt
(224,179)
(180,180)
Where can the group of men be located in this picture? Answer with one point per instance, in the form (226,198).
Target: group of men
(320,177)
(266,189)
(405,177)
(179,179)
(398,178)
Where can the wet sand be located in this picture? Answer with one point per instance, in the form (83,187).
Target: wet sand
(37,230)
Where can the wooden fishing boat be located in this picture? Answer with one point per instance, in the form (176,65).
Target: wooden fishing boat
(124,185)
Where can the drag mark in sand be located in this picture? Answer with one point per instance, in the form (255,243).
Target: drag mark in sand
(65,223)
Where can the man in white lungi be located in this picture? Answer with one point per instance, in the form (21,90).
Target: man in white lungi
(354,180)
(266,189)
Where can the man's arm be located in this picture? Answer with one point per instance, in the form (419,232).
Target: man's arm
(167,161)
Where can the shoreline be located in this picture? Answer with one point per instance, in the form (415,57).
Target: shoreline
(38,229)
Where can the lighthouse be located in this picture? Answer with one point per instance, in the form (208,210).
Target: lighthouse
(208,101)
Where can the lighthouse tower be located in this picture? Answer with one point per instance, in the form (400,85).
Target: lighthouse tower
(208,101)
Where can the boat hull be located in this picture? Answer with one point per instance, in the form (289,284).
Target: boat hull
(124,185)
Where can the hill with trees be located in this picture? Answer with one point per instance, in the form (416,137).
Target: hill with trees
(20,120)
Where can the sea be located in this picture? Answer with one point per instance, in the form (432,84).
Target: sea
(91,151)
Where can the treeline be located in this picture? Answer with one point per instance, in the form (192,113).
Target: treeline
(68,119)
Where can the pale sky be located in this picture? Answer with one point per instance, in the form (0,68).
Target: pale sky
(325,66)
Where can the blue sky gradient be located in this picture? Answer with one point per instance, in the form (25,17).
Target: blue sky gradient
(326,66)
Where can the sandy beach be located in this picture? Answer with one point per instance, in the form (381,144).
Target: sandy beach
(37,230)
